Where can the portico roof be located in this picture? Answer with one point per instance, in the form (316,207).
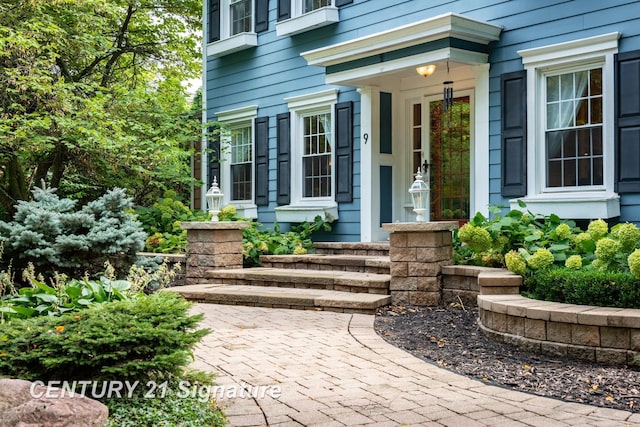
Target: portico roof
(445,37)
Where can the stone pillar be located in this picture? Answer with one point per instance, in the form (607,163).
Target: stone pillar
(418,250)
(212,246)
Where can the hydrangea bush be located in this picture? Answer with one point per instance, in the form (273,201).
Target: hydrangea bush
(525,243)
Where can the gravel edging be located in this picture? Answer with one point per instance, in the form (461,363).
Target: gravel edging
(450,337)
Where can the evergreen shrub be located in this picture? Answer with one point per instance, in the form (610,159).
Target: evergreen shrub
(149,337)
(55,236)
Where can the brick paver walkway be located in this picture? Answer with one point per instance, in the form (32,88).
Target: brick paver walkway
(334,370)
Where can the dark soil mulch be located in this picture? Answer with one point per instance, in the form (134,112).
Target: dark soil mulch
(450,337)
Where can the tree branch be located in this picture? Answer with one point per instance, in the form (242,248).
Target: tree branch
(119,45)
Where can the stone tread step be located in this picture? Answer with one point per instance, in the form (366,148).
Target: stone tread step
(328,259)
(305,278)
(307,299)
(352,248)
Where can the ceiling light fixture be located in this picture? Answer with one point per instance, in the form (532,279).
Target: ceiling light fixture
(426,70)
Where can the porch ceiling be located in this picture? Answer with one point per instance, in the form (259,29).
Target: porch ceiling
(397,52)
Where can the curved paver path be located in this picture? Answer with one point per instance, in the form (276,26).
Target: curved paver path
(334,370)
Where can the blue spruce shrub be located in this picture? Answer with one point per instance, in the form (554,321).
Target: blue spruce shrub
(54,235)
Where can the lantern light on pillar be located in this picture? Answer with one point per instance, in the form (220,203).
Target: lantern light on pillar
(214,199)
(419,192)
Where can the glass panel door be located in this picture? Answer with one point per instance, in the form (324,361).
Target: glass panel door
(450,159)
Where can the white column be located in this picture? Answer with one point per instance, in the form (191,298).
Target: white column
(480,154)
(369,173)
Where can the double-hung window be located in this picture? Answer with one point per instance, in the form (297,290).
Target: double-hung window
(313,158)
(241,163)
(240,16)
(233,25)
(297,16)
(237,180)
(311,5)
(574,123)
(317,173)
(570,128)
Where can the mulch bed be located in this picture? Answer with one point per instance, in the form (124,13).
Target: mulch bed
(450,338)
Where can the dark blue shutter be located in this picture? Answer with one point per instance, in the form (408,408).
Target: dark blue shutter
(214,21)
(283,130)
(344,152)
(514,133)
(214,155)
(262,15)
(284,9)
(386,132)
(343,2)
(262,161)
(627,123)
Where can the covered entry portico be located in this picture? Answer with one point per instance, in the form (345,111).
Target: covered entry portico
(398,108)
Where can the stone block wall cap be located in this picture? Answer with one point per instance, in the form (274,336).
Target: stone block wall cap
(420,226)
(211,225)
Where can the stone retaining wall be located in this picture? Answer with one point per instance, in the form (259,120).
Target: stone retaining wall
(465,282)
(599,334)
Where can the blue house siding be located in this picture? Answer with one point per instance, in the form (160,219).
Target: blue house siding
(570,20)
(274,70)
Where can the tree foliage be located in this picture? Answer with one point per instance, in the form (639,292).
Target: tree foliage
(91,96)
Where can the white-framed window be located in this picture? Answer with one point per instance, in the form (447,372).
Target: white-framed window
(307,15)
(241,163)
(573,129)
(570,128)
(240,16)
(237,171)
(317,155)
(232,27)
(311,5)
(313,175)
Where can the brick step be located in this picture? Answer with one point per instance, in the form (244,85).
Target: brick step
(302,299)
(352,263)
(344,281)
(352,248)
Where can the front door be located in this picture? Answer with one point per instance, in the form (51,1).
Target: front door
(441,142)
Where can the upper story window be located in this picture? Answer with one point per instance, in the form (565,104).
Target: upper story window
(298,16)
(311,5)
(574,125)
(241,13)
(232,25)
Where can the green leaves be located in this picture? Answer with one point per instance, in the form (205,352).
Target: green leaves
(41,299)
(91,96)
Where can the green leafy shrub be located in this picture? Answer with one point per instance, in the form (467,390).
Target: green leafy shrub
(56,237)
(67,295)
(74,295)
(522,232)
(162,222)
(136,339)
(256,241)
(584,286)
